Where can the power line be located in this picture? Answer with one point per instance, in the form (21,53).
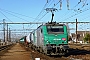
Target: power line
(47,12)
(16,16)
(41,12)
(76,14)
(17,13)
(43,16)
(5,16)
(79,9)
(42,9)
(64,15)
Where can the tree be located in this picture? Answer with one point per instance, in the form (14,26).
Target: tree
(87,38)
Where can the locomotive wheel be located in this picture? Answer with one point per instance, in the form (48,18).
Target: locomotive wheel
(41,50)
(45,52)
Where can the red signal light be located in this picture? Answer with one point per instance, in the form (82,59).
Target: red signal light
(64,39)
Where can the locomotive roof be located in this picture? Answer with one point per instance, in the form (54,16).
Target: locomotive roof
(53,23)
(49,23)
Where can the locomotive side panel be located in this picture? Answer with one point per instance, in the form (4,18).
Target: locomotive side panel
(35,38)
(40,36)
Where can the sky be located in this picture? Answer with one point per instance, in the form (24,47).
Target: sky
(34,11)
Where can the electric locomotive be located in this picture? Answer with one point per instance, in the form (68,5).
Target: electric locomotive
(50,38)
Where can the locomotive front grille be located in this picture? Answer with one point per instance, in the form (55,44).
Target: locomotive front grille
(51,45)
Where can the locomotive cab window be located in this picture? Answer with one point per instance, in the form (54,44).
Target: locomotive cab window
(41,30)
(55,29)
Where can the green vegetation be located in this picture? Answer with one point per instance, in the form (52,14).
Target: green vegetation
(87,38)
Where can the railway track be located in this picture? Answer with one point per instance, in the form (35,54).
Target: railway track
(16,52)
(2,48)
(73,54)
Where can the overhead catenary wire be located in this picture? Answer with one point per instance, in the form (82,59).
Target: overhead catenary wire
(78,11)
(41,12)
(85,16)
(12,15)
(15,16)
(5,16)
(76,14)
(44,9)
(48,6)
(69,11)
(46,12)
(17,13)
(81,9)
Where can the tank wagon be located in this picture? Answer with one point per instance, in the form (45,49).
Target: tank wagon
(50,39)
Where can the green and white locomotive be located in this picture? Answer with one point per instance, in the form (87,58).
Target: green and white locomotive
(50,39)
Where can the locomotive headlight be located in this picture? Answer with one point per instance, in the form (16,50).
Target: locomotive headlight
(47,41)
